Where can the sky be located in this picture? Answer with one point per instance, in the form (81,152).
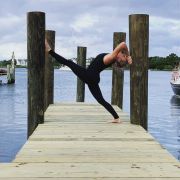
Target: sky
(89,23)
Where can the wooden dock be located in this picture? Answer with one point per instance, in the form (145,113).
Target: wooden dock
(76,143)
(3,74)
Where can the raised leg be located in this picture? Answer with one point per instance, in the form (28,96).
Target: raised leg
(78,70)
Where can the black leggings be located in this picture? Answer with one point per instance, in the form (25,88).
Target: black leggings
(90,78)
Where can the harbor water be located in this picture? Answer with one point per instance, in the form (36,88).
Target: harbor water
(163,108)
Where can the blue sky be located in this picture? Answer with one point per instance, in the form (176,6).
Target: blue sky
(89,23)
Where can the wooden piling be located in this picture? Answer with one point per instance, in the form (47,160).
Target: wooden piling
(36,63)
(117,74)
(49,72)
(11,71)
(139,44)
(8,74)
(81,60)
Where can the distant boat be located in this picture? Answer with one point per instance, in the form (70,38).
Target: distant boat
(3,72)
(64,68)
(175,80)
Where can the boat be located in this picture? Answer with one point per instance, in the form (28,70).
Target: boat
(13,63)
(175,80)
(3,72)
(64,68)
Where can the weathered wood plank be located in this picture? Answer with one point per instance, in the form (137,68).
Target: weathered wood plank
(92,170)
(57,134)
(73,144)
(147,153)
(95,158)
(79,178)
(84,151)
(100,127)
(98,135)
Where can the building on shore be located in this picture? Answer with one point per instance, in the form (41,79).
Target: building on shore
(22,62)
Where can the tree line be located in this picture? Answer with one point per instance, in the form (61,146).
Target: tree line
(155,63)
(164,63)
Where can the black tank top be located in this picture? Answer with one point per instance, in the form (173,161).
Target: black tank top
(97,64)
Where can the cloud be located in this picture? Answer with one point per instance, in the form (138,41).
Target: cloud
(10,23)
(18,48)
(9,20)
(13,36)
(90,23)
(84,21)
(164,35)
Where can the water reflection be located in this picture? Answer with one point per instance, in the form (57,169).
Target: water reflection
(12,116)
(7,115)
(175,112)
(175,105)
(175,101)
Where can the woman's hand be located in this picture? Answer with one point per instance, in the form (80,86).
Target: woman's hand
(123,61)
(47,46)
(121,56)
(129,60)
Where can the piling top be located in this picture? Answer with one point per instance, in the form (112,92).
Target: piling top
(36,12)
(82,47)
(52,31)
(139,15)
(119,33)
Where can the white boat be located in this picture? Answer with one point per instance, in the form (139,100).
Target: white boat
(3,72)
(175,80)
(64,68)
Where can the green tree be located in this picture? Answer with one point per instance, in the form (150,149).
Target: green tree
(167,63)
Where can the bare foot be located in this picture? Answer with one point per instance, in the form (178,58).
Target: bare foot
(115,121)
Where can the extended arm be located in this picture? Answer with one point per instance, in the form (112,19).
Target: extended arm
(120,50)
(122,47)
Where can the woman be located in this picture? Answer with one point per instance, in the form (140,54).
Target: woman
(91,75)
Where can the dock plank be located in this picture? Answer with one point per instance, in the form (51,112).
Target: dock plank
(92,170)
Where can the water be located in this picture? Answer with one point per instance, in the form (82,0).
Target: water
(163,109)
